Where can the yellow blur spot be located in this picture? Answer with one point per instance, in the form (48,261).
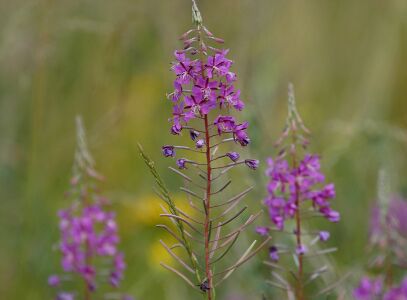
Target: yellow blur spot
(146,211)
(158,254)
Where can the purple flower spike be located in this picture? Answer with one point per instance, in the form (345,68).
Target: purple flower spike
(324,236)
(234,156)
(262,230)
(252,163)
(273,253)
(296,184)
(200,143)
(168,151)
(204,90)
(181,163)
(88,230)
(54,280)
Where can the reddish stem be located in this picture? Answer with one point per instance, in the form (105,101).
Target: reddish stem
(207,210)
(300,287)
(300,291)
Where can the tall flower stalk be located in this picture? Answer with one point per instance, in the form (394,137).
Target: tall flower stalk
(387,244)
(89,237)
(297,191)
(204,96)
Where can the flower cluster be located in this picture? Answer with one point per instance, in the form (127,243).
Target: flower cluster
(302,182)
(394,220)
(368,289)
(373,289)
(296,190)
(203,84)
(388,233)
(88,234)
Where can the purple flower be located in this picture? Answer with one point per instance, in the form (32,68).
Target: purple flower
(218,64)
(240,135)
(234,156)
(301,250)
(305,179)
(193,134)
(200,143)
(393,219)
(65,296)
(262,230)
(397,293)
(368,289)
(331,215)
(181,163)
(168,151)
(324,236)
(224,123)
(54,280)
(205,83)
(87,230)
(273,253)
(230,97)
(176,129)
(252,163)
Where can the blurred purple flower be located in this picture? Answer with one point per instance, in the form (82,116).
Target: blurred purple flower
(54,280)
(368,289)
(273,253)
(324,236)
(397,293)
(262,230)
(285,181)
(65,296)
(301,250)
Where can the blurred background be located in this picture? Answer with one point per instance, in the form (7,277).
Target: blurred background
(109,61)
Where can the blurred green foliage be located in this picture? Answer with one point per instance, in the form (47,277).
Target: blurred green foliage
(109,61)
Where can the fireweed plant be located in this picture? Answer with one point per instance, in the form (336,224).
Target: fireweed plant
(297,192)
(89,237)
(203,99)
(387,248)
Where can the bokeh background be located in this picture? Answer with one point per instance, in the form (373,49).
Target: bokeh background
(109,62)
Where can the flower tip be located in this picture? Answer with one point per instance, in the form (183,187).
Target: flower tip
(234,156)
(200,143)
(168,151)
(181,163)
(252,163)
